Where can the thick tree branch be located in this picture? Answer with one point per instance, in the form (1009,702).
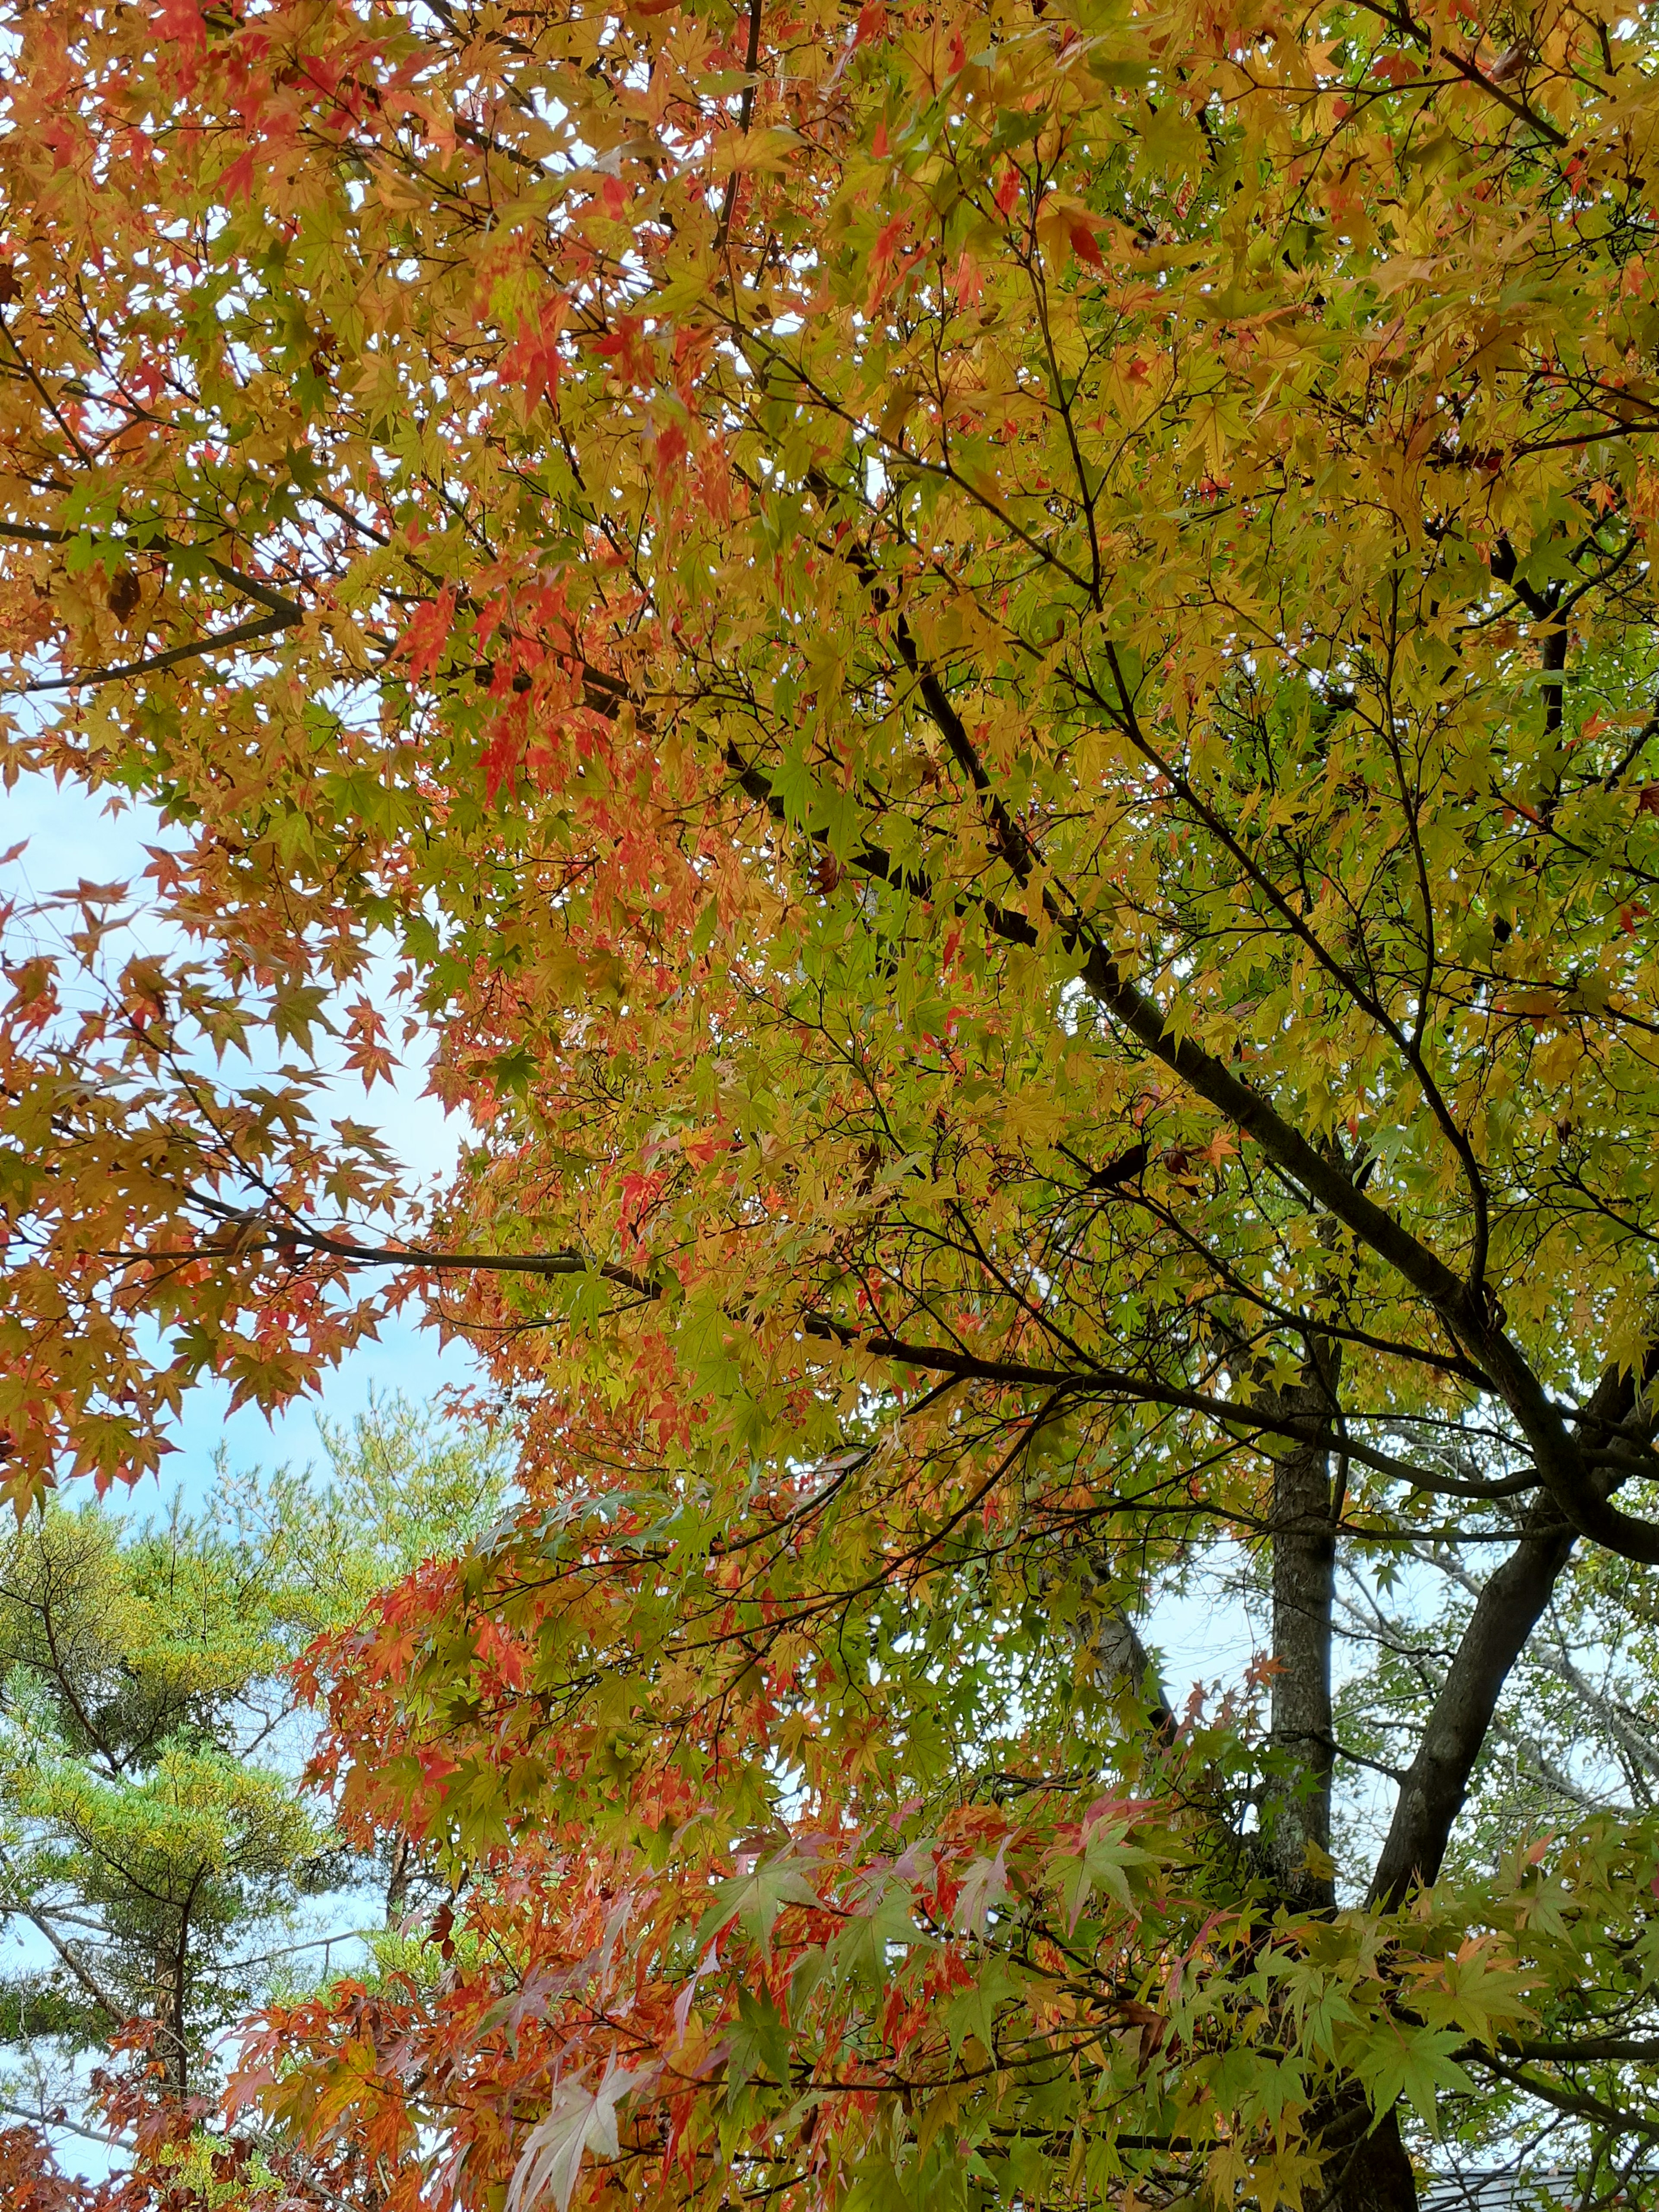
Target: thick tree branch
(1468,1318)
(1431,1795)
(1254,1419)
(85,679)
(1468,1314)
(284,613)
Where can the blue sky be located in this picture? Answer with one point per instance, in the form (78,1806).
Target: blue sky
(71,837)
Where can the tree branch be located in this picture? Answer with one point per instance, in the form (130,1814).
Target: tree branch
(1432,1793)
(39,1922)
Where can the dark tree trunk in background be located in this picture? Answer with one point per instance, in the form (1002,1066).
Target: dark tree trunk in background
(171,2049)
(1296,1811)
(1123,1664)
(1365,2166)
(396,1885)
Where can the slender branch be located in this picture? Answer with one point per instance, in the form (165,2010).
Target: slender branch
(243,634)
(40,1922)
(1472,73)
(47,2125)
(1089,1379)
(745,112)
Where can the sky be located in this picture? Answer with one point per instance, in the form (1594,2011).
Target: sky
(70,838)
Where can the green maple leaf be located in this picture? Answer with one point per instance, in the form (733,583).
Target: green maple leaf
(755,1899)
(1415,2064)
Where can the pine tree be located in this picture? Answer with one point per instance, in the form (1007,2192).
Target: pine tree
(158,1841)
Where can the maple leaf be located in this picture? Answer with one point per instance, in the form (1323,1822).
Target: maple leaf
(427,633)
(754,1900)
(578,2121)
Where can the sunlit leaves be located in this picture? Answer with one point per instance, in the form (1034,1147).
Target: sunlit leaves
(988,677)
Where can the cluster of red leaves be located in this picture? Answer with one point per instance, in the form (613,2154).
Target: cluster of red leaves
(31,2179)
(570,1973)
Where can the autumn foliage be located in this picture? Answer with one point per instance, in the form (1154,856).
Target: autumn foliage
(989,673)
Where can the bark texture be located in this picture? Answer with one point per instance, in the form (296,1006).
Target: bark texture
(1505,1613)
(1366,2167)
(1296,1814)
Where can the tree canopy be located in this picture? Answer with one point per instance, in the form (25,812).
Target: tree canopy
(989,673)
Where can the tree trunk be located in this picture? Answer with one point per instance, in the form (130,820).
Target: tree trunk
(1124,1666)
(397,1886)
(170,2046)
(1366,2168)
(1295,1809)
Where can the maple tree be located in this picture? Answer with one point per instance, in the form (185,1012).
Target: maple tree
(990,670)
